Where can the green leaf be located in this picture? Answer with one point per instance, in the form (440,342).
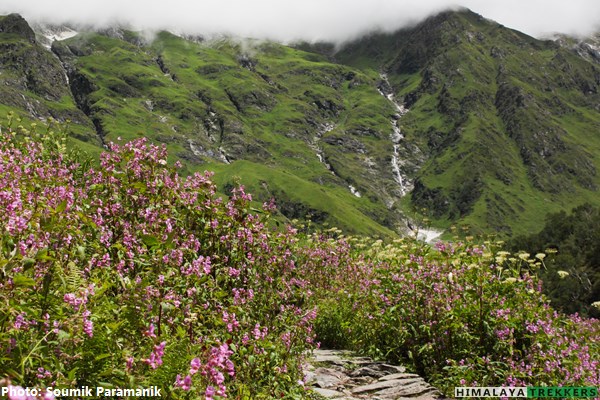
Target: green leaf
(61,207)
(43,255)
(102,356)
(28,263)
(140,186)
(150,240)
(81,252)
(71,374)
(63,335)
(22,280)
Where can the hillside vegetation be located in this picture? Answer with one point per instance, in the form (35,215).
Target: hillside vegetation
(572,276)
(502,128)
(129,275)
(510,124)
(260,111)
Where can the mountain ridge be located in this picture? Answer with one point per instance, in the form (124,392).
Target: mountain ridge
(491,89)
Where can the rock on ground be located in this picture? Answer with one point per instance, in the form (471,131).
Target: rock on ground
(338,374)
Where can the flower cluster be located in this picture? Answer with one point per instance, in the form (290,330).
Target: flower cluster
(462,313)
(212,371)
(132,266)
(118,273)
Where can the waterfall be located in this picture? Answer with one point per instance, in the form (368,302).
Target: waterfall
(396,137)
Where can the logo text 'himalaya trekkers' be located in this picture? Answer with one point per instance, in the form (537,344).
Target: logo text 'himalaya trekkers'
(531,392)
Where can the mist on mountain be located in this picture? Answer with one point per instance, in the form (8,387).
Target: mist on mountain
(310,20)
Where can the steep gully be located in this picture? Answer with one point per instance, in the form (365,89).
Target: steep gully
(79,85)
(404,184)
(396,136)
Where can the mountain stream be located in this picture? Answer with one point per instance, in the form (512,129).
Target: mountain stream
(405,186)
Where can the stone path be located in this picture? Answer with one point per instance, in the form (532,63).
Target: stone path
(337,374)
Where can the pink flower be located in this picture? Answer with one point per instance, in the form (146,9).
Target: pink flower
(150,331)
(88,326)
(195,365)
(210,392)
(185,383)
(16,393)
(155,359)
(48,396)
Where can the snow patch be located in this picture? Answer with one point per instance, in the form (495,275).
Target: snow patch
(54,32)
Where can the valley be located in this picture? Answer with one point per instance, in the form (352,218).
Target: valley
(222,217)
(502,127)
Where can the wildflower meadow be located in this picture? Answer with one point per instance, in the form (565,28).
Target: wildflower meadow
(124,273)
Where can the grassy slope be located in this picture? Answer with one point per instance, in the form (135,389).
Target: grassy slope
(508,122)
(263,103)
(503,125)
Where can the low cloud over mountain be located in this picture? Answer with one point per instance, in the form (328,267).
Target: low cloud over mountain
(335,20)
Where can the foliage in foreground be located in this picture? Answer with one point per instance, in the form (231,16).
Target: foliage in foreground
(129,275)
(462,315)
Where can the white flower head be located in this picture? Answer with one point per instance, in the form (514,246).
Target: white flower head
(562,274)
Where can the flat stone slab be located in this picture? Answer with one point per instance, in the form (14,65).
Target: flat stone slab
(330,394)
(327,377)
(401,375)
(373,387)
(411,390)
(338,374)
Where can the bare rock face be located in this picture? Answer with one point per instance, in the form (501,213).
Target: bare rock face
(337,374)
(15,24)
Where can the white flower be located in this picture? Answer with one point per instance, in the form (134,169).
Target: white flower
(562,274)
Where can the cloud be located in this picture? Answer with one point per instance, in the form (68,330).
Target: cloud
(286,20)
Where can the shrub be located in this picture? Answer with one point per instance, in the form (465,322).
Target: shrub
(465,315)
(128,275)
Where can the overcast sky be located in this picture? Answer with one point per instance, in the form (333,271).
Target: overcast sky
(287,20)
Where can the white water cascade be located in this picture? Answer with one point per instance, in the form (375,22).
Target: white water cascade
(314,145)
(426,235)
(396,137)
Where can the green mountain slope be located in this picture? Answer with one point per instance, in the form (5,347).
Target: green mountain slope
(278,109)
(510,124)
(33,81)
(501,128)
